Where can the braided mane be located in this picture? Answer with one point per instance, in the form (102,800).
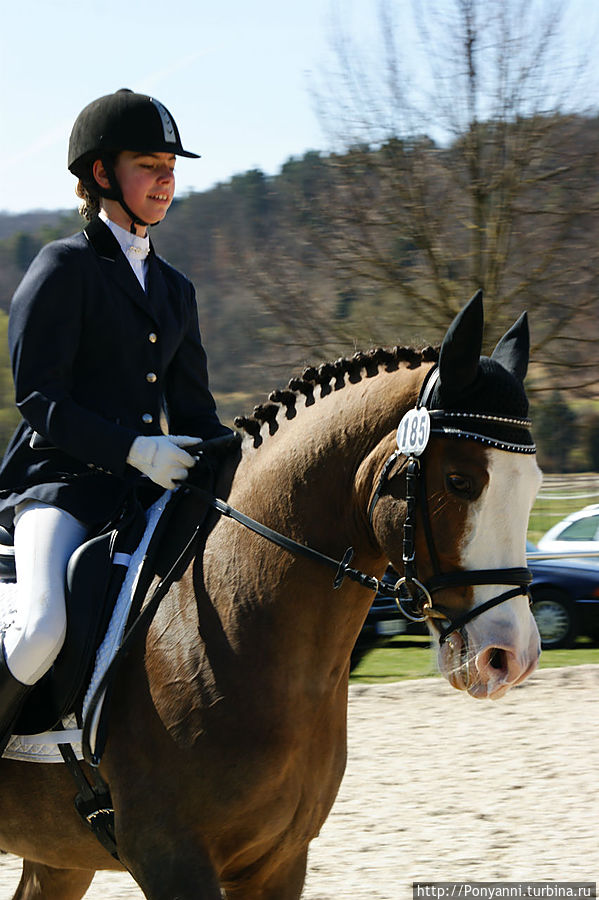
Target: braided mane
(330,377)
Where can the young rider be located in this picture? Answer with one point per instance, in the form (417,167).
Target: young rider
(105,347)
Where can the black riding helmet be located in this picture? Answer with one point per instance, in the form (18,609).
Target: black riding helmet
(120,121)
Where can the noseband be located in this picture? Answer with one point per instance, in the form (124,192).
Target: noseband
(413,596)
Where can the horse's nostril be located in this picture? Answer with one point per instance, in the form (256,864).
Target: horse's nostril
(497,659)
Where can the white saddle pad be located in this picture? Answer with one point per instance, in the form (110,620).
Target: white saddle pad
(44,747)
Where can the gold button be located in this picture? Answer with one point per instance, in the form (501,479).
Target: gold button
(152,377)
(147,418)
(152,337)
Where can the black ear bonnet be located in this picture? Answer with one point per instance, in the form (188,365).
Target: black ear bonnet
(479,397)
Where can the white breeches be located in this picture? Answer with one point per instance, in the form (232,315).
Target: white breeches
(45,538)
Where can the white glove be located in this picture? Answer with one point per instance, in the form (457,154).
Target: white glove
(162,458)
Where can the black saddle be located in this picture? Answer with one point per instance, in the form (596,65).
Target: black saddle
(93,582)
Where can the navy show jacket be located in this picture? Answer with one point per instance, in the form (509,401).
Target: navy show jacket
(96,362)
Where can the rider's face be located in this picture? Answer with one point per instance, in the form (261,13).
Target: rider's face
(147,181)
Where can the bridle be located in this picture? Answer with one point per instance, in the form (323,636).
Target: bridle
(413,596)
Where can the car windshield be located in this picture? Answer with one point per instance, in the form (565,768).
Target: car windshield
(581,530)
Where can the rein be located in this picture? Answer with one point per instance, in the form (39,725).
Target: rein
(342,567)
(520,576)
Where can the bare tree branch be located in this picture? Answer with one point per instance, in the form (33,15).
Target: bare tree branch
(465,158)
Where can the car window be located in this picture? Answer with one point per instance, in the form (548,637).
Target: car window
(581,530)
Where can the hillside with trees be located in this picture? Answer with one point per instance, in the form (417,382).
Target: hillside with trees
(473,165)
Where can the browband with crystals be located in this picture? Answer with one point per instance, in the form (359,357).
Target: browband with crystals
(507,420)
(447,431)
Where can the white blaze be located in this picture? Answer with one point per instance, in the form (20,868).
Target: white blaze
(496,539)
(499,518)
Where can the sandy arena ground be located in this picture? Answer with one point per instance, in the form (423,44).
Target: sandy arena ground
(443,787)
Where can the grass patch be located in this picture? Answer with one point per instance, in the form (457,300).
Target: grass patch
(547,512)
(399,658)
(396,658)
(584,651)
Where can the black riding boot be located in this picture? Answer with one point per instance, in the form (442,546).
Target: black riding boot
(12,697)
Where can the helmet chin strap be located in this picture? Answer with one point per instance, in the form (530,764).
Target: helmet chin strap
(116,193)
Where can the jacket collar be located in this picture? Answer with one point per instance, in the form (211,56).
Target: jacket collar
(102,239)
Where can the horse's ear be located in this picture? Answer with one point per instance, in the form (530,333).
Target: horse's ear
(460,350)
(513,349)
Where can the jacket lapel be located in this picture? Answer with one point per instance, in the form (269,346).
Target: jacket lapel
(156,287)
(115,264)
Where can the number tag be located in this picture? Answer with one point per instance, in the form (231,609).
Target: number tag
(413,432)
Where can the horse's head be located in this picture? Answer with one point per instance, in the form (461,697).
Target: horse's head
(469,481)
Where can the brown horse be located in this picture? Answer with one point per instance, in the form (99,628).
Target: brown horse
(227,738)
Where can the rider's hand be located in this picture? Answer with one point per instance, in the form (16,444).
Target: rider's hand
(162,458)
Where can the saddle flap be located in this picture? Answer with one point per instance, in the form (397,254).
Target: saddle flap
(93,582)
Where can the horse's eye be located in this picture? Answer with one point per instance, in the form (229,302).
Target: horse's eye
(459,484)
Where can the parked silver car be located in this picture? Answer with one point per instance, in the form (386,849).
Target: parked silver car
(578,532)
